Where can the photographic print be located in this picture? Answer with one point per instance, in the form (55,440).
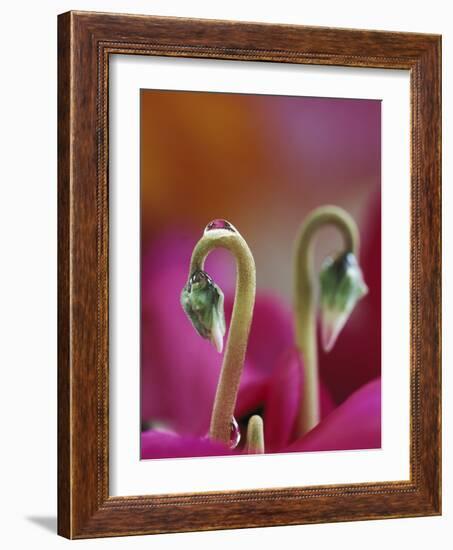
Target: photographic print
(260,274)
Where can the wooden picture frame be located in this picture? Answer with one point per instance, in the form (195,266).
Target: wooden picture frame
(85,42)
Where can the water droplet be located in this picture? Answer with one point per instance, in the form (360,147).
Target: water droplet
(200,277)
(235,433)
(219,224)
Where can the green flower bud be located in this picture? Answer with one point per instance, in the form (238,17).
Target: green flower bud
(202,300)
(342,286)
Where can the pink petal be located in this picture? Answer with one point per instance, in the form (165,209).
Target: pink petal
(160,444)
(252,391)
(355,424)
(282,401)
(325,400)
(179,370)
(271,332)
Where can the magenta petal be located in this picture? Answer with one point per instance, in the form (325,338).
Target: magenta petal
(325,401)
(355,424)
(271,333)
(179,369)
(159,444)
(252,392)
(282,401)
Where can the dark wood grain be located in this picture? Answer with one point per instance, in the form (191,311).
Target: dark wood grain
(85,42)
(64,369)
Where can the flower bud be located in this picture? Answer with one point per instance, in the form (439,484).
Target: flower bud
(342,286)
(202,300)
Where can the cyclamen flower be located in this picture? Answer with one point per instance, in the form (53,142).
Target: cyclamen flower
(179,381)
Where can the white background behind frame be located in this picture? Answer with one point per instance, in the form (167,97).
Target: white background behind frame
(28,509)
(129,475)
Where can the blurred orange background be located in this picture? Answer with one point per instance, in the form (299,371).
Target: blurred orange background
(262,162)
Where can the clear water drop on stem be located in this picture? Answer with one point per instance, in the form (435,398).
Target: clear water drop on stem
(235,433)
(219,224)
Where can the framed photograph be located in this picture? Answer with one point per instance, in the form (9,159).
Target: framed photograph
(249,275)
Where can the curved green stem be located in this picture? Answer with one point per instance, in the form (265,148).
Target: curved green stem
(305,306)
(233,360)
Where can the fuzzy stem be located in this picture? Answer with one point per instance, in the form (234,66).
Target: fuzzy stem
(233,360)
(255,436)
(305,306)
